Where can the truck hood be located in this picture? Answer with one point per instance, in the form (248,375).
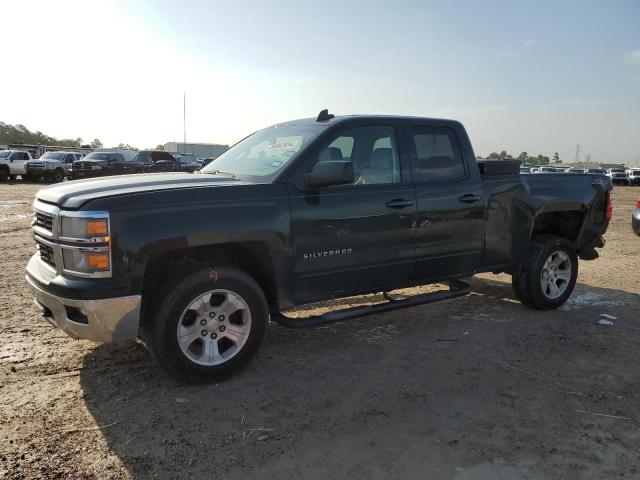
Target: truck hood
(73,195)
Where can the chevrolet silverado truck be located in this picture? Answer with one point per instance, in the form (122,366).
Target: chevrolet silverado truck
(304,211)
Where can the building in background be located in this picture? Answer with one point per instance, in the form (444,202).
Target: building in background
(198,150)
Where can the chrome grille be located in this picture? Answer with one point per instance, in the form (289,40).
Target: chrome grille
(43,220)
(35,167)
(82,166)
(46,253)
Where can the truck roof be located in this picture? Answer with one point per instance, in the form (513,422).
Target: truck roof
(332,120)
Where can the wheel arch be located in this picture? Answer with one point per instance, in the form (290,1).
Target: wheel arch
(253,257)
(564,223)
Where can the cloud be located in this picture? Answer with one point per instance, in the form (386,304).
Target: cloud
(633,57)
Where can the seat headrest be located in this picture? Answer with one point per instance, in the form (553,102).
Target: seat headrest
(382,158)
(330,153)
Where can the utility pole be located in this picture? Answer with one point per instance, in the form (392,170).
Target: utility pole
(588,157)
(578,149)
(184,122)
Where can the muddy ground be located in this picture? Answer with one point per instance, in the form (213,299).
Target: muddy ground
(472,388)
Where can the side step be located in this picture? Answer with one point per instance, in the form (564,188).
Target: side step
(457,288)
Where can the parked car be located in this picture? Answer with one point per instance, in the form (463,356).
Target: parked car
(546,170)
(634,176)
(203,162)
(618,176)
(52,166)
(156,161)
(575,170)
(186,163)
(12,163)
(595,171)
(635,218)
(302,212)
(106,162)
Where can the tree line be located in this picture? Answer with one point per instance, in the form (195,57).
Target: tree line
(524,157)
(20,134)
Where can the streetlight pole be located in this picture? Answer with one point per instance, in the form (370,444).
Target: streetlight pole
(184,122)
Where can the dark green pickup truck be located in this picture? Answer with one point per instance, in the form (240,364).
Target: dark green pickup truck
(303,211)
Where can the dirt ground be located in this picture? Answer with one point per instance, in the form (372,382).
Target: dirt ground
(469,389)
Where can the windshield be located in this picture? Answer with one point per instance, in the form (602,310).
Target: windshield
(617,170)
(53,156)
(596,170)
(97,156)
(263,154)
(5,153)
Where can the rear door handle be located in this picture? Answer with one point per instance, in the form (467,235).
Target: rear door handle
(399,203)
(470,198)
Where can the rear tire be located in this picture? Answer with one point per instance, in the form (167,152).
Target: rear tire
(205,324)
(4,174)
(548,274)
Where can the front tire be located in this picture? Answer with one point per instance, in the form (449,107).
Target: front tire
(208,323)
(548,275)
(58,175)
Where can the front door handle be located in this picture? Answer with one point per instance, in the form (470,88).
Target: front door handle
(399,203)
(470,198)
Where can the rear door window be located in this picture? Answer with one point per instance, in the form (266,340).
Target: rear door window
(436,155)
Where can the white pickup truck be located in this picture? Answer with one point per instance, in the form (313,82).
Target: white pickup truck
(12,163)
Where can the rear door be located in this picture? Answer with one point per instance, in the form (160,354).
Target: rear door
(117,164)
(450,212)
(356,237)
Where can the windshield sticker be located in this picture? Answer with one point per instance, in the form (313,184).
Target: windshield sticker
(280,146)
(276,163)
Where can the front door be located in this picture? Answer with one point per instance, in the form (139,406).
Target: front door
(17,163)
(357,237)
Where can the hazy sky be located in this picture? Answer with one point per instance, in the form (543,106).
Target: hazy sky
(522,75)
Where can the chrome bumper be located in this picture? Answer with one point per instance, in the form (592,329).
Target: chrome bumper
(103,320)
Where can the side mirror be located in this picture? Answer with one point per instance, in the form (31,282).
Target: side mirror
(330,172)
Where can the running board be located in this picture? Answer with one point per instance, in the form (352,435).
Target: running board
(457,288)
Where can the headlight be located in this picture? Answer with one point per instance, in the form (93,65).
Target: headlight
(87,262)
(92,229)
(87,245)
(48,166)
(96,167)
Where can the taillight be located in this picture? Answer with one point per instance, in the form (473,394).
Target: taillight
(609,212)
(638,203)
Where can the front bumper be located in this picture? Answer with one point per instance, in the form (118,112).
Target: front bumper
(102,320)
